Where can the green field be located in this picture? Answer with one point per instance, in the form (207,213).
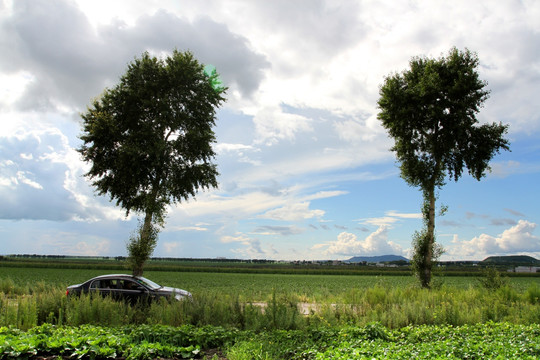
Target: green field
(257,315)
(254,286)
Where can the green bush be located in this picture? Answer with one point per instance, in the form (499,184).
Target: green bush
(492,279)
(533,294)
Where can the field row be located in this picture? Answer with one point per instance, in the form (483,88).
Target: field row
(373,341)
(249,287)
(230,300)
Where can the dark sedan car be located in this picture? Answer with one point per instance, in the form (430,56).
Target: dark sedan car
(127,287)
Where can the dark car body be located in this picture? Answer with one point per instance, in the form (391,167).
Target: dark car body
(128,288)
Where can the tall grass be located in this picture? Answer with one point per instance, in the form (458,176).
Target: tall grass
(390,306)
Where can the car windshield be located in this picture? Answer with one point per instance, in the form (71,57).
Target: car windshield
(152,285)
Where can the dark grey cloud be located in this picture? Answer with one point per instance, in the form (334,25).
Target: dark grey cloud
(211,42)
(71,62)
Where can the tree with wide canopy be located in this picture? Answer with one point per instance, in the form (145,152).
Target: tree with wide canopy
(430,112)
(149,140)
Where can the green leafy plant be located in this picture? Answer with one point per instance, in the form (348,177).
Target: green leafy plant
(492,279)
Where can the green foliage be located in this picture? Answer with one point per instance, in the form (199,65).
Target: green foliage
(430,112)
(98,342)
(426,251)
(390,319)
(533,294)
(149,139)
(391,306)
(140,247)
(492,279)
(249,286)
(422,263)
(253,301)
(373,341)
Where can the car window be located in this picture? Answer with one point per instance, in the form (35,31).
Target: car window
(131,285)
(100,284)
(116,284)
(149,283)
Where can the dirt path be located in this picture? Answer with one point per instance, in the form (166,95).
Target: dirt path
(303,307)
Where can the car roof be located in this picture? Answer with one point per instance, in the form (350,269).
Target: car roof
(110,276)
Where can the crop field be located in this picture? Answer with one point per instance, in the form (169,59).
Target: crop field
(251,286)
(385,316)
(481,341)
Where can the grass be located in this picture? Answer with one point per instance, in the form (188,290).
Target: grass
(249,287)
(355,317)
(29,297)
(392,306)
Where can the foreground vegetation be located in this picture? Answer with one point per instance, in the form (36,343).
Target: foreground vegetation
(273,316)
(392,307)
(373,341)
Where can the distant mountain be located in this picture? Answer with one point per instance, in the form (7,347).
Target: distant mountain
(377,259)
(513,260)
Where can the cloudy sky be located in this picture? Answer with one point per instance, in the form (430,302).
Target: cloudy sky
(306,171)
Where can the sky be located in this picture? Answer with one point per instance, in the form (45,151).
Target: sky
(306,171)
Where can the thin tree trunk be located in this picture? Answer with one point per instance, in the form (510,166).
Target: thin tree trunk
(145,237)
(430,239)
(147,226)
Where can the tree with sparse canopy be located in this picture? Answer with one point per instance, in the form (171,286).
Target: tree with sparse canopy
(149,140)
(430,112)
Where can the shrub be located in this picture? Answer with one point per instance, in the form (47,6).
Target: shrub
(492,279)
(533,294)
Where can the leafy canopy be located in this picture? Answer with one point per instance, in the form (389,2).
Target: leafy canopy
(430,111)
(150,138)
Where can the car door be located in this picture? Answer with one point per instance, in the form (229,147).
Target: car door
(132,291)
(101,286)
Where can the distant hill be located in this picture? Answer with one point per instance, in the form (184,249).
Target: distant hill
(377,259)
(511,260)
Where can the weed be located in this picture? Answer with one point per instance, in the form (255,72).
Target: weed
(492,279)
(533,294)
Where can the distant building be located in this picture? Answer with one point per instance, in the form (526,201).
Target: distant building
(527,269)
(379,264)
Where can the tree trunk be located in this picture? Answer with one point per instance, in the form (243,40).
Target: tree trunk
(426,278)
(146,241)
(145,245)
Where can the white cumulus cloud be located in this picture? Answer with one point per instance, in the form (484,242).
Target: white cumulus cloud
(390,218)
(517,239)
(251,248)
(348,244)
